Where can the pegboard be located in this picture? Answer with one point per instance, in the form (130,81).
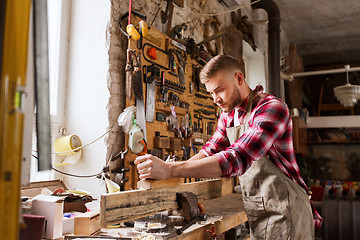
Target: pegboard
(193,101)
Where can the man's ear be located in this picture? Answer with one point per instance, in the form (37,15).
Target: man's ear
(239,78)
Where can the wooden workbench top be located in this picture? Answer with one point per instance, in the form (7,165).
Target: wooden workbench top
(225,212)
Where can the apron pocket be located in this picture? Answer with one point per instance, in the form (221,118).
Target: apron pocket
(257,217)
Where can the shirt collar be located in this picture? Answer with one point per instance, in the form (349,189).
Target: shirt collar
(258,90)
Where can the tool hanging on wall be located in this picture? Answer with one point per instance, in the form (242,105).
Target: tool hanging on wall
(157,49)
(131,32)
(166,16)
(128,73)
(214,23)
(120,177)
(163,89)
(138,86)
(150,90)
(140,106)
(205,105)
(143,29)
(196,77)
(137,142)
(182,61)
(178,31)
(170,85)
(151,52)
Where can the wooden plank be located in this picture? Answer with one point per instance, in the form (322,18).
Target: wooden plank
(334,122)
(228,186)
(130,205)
(156,184)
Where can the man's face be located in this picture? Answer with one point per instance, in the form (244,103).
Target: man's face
(224,90)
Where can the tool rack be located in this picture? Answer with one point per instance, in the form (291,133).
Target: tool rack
(197,103)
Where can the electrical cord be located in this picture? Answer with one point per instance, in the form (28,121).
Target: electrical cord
(69,174)
(75,149)
(74,175)
(157,12)
(216,14)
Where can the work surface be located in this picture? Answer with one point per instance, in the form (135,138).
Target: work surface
(224,213)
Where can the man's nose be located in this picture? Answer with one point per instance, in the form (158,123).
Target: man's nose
(216,99)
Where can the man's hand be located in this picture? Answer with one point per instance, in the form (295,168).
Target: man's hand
(151,167)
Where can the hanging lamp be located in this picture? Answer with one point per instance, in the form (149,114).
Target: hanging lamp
(347,94)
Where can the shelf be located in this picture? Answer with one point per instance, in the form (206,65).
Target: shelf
(335,142)
(333,136)
(334,122)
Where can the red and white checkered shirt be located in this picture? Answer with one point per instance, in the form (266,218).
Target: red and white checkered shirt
(269,133)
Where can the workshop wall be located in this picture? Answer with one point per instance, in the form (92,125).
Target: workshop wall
(87,94)
(231,44)
(194,15)
(326,162)
(97,54)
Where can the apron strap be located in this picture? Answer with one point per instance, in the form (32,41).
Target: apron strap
(249,106)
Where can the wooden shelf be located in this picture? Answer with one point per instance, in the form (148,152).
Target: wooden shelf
(335,142)
(348,121)
(333,136)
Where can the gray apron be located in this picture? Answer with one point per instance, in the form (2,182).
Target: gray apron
(276,206)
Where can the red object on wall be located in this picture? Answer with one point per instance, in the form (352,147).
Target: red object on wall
(151,52)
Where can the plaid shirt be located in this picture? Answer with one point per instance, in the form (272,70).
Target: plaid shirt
(269,133)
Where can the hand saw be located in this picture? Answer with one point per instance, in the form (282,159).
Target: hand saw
(129,74)
(150,90)
(138,87)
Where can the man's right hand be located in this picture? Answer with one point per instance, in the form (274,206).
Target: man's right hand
(151,167)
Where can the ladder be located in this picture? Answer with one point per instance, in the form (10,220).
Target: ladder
(14,31)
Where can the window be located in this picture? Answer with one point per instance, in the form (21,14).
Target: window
(58,19)
(254,66)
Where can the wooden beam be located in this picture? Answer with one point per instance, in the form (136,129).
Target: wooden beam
(154,184)
(130,205)
(334,122)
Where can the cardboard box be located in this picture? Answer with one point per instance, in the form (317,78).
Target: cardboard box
(87,223)
(51,208)
(35,188)
(68,225)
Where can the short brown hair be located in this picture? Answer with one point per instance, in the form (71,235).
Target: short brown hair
(219,63)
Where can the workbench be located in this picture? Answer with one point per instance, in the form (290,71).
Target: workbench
(224,208)
(225,213)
